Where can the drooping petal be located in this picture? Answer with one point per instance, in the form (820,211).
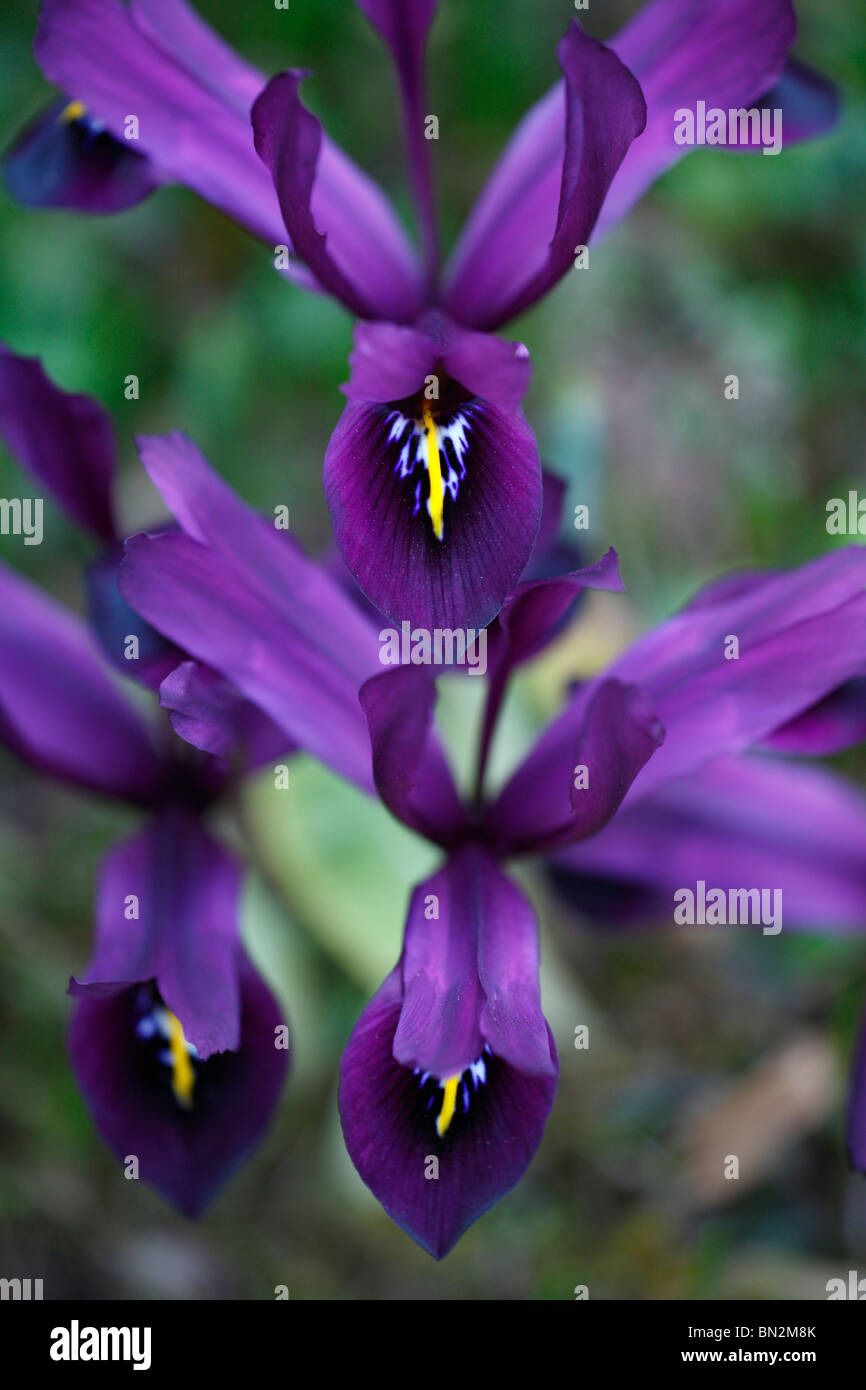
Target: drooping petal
(412,776)
(439,1148)
(748,822)
(187,1144)
(724,675)
(210,714)
(241,597)
(64,158)
(435,519)
(167,910)
(66,441)
(726,53)
(59,709)
(339,223)
(543,199)
(578,773)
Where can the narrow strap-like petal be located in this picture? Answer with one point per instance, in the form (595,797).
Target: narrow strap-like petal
(542,202)
(578,773)
(412,775)
(339,224)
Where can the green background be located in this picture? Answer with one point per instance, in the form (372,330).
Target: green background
(732,264)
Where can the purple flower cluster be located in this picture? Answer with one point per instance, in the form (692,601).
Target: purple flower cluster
(657,771)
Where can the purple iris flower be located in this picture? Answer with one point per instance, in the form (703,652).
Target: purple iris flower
(173,1038)
(452,1060)
(766,817)
(432,474)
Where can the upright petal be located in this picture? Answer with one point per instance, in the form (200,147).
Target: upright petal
(65,158)
(578,773)
(435,496)
(59,709)
(126,1053)
(66,441)
(403,24)
(543,199)
(339,223)
(438,1146)
(167,911)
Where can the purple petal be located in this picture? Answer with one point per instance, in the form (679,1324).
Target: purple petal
(192,104)
(66,159)
(65,441)
(114,622)
(412,776)
(470,973)
(240,596)
(529,618)
(403,24)
(377,483)
(210,714)
(290,664)
(856,1118)
(392,1137)
(809,103)
(339,223)
(833,724)
(747,822)
(185,1153)
(611,734)
(543,199)
(59,709)
(389,362)
(554,491)
(168,911)
(534,609)
(727,53)
(801,635)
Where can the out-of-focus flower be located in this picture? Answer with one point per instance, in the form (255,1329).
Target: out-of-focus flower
(173,1038)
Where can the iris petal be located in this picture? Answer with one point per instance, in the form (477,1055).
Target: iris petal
(67,159)
(435,1185)
(378,486)
(186,1148)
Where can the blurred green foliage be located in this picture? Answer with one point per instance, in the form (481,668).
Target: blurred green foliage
(732,264)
